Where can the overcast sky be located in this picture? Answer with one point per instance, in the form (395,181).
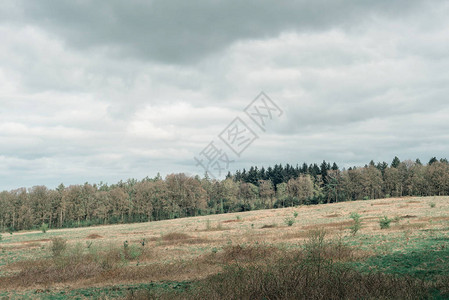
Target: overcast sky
(102,91)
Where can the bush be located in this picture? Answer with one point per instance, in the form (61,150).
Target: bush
(289,221)
(58,246)
(432,204)
(44,227)
(307,274)
(384,222)
(1,237)
(357,223)
(300,280)
(133,252)
(315,246)
(295,214)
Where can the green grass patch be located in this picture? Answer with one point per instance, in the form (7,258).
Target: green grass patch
(425,259)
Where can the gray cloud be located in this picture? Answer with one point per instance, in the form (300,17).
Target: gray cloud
(102,92)
(182,31)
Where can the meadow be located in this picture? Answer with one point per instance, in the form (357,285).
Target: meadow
(319,250)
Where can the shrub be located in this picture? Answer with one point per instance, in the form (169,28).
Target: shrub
(133,252)
(307,274)
(366,198)
(432,204)
(295,214)
(289,221)
(315,245)
(300,280)
(44,227)
(384,222)
(357,223)
(1,237)
(125,248)
(58,246)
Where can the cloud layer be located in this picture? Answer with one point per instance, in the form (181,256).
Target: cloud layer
(103,92)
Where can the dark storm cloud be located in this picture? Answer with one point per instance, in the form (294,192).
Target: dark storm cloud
(185,31)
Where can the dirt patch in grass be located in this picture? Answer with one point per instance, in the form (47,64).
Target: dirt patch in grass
(191,241)
(93,236)
(231,221)
(408,217)
(412,226)
(370,218)
(295,235)
(268,226)
(441,218)
(35,241)
(333,225)
(433,219)
(333,216)
(413,201)
(176,238)
(23,246)
(218,227)
(26,244)
(382,203)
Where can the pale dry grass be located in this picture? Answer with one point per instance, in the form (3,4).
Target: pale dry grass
(187,240)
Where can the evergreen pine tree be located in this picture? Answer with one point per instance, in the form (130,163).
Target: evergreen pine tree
(335,167)
(395,163)
(433,160)
(323,171)
(304,169)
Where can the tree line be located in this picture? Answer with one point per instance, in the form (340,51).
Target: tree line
(178,195)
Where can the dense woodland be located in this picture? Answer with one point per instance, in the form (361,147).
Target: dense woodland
(178,195)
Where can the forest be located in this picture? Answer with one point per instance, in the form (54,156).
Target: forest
(178,195)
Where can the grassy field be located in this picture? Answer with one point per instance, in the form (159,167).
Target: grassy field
(173,256)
